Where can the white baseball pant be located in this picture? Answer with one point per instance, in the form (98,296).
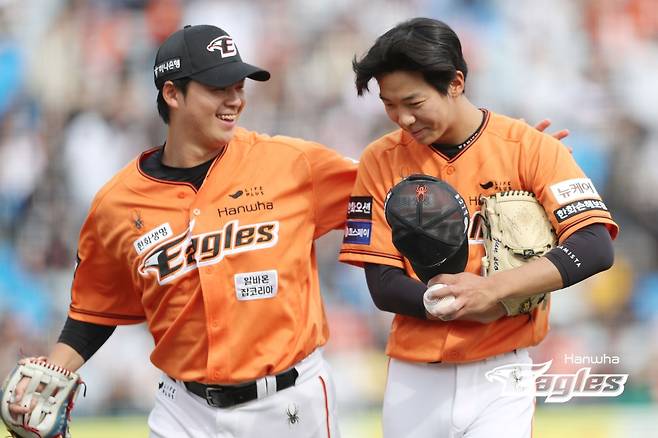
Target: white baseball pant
(305,410)
(448,400)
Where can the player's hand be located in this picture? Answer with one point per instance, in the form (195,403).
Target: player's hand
(475,298)
(543,124)
(558,135)
(16,408)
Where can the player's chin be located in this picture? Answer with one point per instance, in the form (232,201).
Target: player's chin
(224,136)
(426,137)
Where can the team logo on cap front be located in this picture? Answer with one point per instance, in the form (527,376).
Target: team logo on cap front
(225,45)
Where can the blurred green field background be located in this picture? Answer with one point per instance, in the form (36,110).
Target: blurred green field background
(559,422)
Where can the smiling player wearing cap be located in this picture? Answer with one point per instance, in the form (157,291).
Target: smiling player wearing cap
(436,376)
(210,240)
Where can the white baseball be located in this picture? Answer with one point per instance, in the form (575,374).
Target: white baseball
(434,306)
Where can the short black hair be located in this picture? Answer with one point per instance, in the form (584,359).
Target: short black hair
(424,45)
(163,107)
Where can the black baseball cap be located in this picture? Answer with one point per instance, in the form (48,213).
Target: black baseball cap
(429,221)
(206,54)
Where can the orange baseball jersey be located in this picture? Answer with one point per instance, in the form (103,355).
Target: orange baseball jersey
(506,155)
(226,276)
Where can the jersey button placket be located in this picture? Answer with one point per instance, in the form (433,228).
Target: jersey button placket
(450,170)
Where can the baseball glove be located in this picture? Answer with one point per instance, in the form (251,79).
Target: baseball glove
(516,230)
(51,390)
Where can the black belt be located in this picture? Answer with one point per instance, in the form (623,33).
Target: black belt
(225,396)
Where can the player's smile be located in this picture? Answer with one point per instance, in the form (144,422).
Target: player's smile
(418,133)
(229,120)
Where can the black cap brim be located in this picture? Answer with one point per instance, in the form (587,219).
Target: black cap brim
(453,265)
(224,75)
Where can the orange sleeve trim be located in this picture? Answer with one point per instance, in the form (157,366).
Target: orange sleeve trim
(572,228)
(371,253)
(108,316)
(358,258)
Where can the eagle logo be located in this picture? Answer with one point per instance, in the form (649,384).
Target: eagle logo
(225,46)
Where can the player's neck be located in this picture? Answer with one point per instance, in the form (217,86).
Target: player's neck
(185,153)
(468,120)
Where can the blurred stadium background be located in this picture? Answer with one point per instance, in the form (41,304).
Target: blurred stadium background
(77,102)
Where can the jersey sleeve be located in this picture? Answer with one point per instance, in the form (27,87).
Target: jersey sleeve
(367,237)
(102,291)
(568,196)
(333,178)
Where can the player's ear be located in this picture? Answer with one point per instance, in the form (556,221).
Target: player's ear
(456,86)
(171,94)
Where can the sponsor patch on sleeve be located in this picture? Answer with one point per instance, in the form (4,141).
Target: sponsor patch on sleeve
(357,232)
(256,285)
(152,237)
(575,189)
(359,207)
(577,207)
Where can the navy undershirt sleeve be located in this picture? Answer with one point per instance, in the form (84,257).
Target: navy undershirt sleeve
(392,290)
(85,337)
(586,252)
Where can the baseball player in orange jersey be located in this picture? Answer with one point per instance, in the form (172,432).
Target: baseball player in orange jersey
(436,377)
(209,239)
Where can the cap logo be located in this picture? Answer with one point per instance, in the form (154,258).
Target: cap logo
(225,45)
(421,191)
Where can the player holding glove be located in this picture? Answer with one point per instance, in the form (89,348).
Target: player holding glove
(436,376)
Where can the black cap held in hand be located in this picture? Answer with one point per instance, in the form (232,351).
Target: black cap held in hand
(429,221)
(206,54)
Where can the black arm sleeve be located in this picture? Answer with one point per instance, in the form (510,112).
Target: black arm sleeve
(394,291)
(85,337)
(586,252)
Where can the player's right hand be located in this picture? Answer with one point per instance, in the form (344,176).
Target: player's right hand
(543,124)
(473,299)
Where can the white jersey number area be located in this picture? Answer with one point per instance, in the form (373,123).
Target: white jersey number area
(256,285)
